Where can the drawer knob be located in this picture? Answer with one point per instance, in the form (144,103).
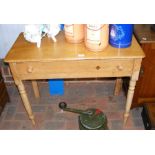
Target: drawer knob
(98,67)
(30,69)
(119,67)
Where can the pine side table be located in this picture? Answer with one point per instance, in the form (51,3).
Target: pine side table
(64,60)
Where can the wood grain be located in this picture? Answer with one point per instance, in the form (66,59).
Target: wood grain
(66,60)
(23,51)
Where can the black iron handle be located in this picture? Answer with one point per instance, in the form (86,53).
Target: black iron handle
(63,106)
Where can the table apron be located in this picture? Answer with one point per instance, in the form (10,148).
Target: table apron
(74,69)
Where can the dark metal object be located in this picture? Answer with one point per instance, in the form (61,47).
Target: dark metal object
(148,116)
(153,27)
(90,119)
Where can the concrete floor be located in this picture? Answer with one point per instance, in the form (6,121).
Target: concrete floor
(81,95)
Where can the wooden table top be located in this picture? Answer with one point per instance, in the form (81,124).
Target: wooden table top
(23,51)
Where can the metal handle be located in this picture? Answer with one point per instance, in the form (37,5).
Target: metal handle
(63,106)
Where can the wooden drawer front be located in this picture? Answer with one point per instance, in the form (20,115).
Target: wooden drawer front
(74,69)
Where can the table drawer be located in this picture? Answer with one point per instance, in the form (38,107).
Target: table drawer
(74,69)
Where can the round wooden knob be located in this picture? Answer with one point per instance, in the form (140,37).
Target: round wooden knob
(98,67)
(119,67)
(30,69)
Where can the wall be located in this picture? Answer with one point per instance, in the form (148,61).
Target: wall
(8,35)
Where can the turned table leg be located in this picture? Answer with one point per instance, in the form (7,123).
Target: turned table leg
(129,99)
(132,84)
(35,88)
(25,100)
